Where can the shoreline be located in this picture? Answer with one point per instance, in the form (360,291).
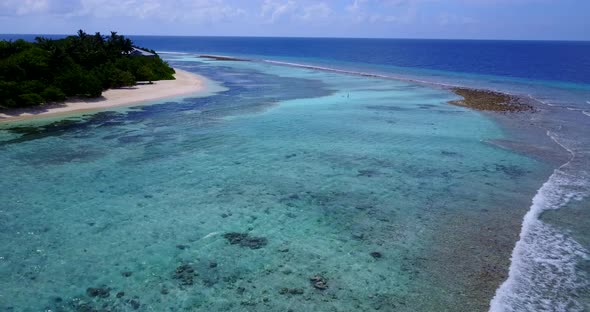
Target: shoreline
(185,83)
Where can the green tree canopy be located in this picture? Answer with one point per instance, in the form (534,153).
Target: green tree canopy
(33,73)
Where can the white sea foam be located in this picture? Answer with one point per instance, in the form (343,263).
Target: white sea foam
(359,73)
(579,110)
(543,274)
(210,235)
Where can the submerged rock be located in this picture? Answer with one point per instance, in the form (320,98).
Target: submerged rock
(101,292)
(185,274)
(245,240)
(209,282)
(291,291)
(134,304)
(376,254)
(319,282)
(85,307)
(358,235)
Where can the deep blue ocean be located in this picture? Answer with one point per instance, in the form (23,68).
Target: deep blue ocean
(331,161)
(567,61)
(538,60)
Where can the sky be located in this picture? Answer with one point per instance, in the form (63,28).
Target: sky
(438,19)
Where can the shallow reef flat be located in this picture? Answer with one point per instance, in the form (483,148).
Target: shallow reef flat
(294,190)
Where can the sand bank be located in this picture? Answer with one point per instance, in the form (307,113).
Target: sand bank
(186,83)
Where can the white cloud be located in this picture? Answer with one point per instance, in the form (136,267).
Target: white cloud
(189,11)
(272,10)
(316,11)
(24,7)
(384,11)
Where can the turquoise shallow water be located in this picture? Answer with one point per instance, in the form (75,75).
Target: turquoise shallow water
(377,189)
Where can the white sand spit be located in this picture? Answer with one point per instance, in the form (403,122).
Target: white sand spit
(186,83)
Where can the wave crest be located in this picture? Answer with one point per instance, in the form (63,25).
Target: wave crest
(543,273)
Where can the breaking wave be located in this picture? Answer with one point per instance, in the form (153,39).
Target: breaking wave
(543,273)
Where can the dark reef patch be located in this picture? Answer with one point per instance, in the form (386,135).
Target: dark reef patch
(427,106)
(449,153)
(367,173)
(376,254)
(512,171)
(185,274)
(84,307)
(182,247)
(137,138)
(134,303)
(101,292)
(291,291)
(487,100)
(390,108)
(59,155)
(319,282)
(245,240)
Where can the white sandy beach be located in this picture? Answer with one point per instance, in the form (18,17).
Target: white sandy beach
(185,83)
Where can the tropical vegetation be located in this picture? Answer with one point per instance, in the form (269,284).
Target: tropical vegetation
(34,73)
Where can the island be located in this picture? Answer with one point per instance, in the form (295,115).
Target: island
(83,72)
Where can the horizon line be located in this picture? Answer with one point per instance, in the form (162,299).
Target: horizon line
(312,37)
